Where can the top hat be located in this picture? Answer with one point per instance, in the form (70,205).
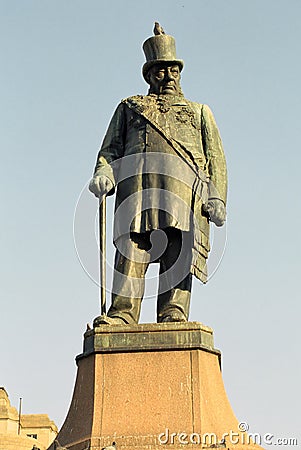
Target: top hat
(160,48)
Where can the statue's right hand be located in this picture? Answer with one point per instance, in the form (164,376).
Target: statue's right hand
(100,185)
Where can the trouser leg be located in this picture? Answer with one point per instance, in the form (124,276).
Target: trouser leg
(131,263)
(175,280)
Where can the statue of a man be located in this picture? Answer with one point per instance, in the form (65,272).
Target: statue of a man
(163,155)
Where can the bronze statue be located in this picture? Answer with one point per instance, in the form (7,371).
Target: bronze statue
(163,155)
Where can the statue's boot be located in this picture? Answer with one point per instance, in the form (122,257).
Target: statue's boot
(174,316)
(106,320)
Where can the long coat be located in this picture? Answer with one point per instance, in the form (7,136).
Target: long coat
(165,156)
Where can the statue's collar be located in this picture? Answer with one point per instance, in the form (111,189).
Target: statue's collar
(153,102)
(168,99)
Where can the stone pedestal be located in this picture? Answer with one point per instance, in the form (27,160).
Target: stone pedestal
(142,386)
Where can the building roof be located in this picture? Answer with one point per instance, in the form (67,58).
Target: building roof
(37,421)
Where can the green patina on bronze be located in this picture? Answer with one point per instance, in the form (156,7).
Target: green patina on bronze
(163,122)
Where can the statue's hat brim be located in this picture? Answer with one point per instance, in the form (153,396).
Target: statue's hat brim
(149,64)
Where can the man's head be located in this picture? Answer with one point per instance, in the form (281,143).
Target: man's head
(164,78)
(162,67)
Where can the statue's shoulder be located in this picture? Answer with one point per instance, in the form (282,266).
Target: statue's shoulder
(135,100)
(139,103)
(201,109)
(197,107)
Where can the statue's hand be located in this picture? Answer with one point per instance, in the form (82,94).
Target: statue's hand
(100,185)
(216,210)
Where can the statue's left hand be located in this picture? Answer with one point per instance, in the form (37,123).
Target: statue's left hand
(216,210)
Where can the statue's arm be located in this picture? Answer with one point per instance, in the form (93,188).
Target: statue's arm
(216,164)
(112,148)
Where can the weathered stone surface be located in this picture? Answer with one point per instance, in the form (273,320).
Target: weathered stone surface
(146,337)
(136,382)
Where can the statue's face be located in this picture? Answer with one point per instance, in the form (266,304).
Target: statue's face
(164,79)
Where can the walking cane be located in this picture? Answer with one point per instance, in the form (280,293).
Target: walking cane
(102,252)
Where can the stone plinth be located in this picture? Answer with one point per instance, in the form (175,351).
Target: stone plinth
(136,385)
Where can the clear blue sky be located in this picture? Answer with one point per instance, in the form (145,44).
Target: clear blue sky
(65,65)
